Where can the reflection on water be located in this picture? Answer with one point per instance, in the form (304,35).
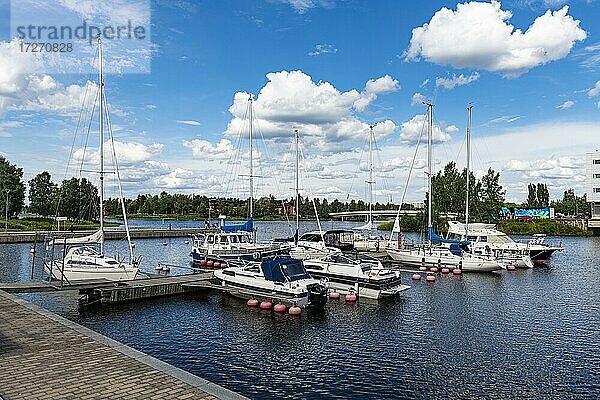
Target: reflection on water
(525,334)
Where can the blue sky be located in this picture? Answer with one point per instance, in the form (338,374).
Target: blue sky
(536,111)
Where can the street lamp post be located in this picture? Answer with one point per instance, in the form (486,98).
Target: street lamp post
(6,211)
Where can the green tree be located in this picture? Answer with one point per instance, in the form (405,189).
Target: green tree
(78,200)
(492,194)
(42,194)
(11,187)
(532,198)
(543,195)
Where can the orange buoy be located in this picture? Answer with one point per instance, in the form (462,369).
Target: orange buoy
(445,271)
(186,242)
(266,305)
(457,271)
(295,310)
(281,308)
(252,303)
(430,278)
(511,267)
(423,268)
(334,295)
(433,269)
(351,297)
(32,250)
(416,277)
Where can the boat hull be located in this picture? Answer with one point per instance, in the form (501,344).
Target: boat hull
(92,274)
(364,289)
(418,258)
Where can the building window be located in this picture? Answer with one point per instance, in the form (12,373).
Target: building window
(596,209)
(596,176)
(596,190)
(596,161)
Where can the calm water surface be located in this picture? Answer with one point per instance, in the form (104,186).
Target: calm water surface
(529,334)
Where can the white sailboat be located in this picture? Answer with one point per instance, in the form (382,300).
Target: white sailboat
(83,261)
(509,255)
(365,237)
(237,242)
(430,254)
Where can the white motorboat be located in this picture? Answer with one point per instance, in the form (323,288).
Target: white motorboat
(276,279)
(482,235)
(312,245)
(364,277)
(82,262)
(234,245)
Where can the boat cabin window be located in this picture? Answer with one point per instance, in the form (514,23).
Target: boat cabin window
(472,238)
(244,239)
(311,237)
(233,239)
(112,262)
(223,240)
(228,272)
(316,267)
(483,238)
(210,239)
(294,271)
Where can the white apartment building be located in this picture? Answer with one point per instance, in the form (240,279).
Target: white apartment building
(593,188)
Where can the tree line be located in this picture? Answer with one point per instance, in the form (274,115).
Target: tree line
(78,200)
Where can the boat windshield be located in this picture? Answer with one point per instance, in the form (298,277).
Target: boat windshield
(294,271)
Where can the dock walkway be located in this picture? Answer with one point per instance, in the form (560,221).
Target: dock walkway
(45,356)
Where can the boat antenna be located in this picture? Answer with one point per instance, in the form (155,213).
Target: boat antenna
(469,108)
(101,113)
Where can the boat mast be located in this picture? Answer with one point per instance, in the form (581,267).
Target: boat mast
(101,113)
(468,169)
(429,163)
(370,181)
(297,205)
(251,161)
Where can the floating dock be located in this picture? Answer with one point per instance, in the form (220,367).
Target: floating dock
(115,234)
(45,356)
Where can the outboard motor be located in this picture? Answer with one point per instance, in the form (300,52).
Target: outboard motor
(317,295)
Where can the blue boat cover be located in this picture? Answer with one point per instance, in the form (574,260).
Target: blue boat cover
(283,269)
(455,249)
(246,227)
(438,239)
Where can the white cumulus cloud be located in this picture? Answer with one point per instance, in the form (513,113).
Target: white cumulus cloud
(417,99)
(595,91)
(411,130)
(479,35)
(456,80)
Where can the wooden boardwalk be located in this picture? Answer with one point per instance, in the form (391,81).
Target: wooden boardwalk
(44,356)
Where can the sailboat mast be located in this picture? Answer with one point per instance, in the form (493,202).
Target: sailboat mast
(429,163)
(251,162)
(370,177)
(101,113)
(468,169)
(297,205)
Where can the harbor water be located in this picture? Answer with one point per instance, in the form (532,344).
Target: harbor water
(527,334)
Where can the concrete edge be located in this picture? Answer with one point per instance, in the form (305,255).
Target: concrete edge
(175,372)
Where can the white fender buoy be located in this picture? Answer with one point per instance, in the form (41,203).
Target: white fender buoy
(295,310)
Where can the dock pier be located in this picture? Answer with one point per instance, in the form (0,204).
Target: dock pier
(109,234)
(45,356)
